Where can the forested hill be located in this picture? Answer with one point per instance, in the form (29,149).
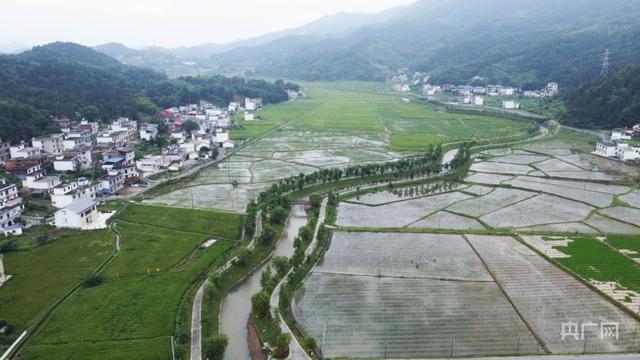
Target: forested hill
(66,79)
(612,101)
(514,42)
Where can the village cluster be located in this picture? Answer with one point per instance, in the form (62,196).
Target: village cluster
(468,94)
(86,162)
(620,144)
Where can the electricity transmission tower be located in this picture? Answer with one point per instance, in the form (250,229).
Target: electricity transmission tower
(606,61)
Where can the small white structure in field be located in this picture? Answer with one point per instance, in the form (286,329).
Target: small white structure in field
(80,214)
(606,149)
(510,105)
(477,100)
(3,277)
(621,134)
(249,116)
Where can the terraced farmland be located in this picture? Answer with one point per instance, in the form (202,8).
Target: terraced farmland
(407,295)
(547,297)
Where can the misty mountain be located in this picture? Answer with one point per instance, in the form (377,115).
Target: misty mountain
(513,42)
(188,60)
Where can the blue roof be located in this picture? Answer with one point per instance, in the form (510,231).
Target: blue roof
(113,160)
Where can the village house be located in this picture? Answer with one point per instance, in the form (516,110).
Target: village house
(552,89)
(478,90)
(178,135)
(510,105)
(627,152)
(80,214)
(5,151)
(23,151)
(252,104)
(606,148)
(148,131)
(507,91)
(38,182)
(112,138)
(621,134)
(84,155)
(430,90)
(11,207)
(92,127)
(622,144)
(20,167)
(249,115)
(130,127)
(64,194)
(465,90)
(51,144)
(400,88)
(77,138)
(66,162)
(493,90)
(111,183)
(62,123)
(151,164)
(233,107)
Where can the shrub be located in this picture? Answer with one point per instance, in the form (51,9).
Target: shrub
(215,346)
(260,304)
(93,281)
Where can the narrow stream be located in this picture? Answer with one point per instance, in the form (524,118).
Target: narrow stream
(236,306)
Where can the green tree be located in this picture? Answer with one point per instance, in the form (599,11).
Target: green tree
(281,264)
(260,305)
(315,201)
(90,112)
(215,346)
(309,343)
(267,235)
(190,126)
(279,215)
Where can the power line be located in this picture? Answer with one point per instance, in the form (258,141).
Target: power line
(606,62)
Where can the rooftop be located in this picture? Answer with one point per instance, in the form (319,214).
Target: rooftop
(80,205)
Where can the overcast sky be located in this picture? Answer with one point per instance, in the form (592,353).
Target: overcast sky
(171,23)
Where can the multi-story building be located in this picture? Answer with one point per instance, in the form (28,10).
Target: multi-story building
(80,214)
(130,127)
(93,127)
(39,182)
(5,151)
(252,104)
(11,205)
(52,144)
(111,183)
(64,194)
(148,132)
(23,151)
(77,138)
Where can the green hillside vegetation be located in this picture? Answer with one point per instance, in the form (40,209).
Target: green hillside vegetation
(494,41)
(612,101)
(66,79)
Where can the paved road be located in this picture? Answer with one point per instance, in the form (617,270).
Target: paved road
(196,309)
(196,325)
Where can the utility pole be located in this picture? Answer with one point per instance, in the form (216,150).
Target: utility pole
(606,61)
